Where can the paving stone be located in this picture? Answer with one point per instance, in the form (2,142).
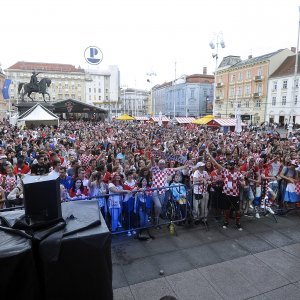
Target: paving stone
(192,285)
(160,245)
(141,269)
(261,276)
(282,262)
(228,283)
(119,279)
(228,249)
(173,262)
(202,256)
(254,244)
(123,294)
(187,240)
(152,290)
(291,232)
(276,238)
(255,226)
(288,292)
(293,249)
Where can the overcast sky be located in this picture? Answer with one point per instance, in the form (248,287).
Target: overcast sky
(141,36)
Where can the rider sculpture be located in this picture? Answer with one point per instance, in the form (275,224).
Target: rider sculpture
(34,81)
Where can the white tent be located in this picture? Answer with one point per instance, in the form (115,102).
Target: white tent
(38,115)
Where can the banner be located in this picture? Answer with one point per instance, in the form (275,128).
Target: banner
(5,90)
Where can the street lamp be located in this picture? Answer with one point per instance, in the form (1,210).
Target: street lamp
(151,74)
(214,45)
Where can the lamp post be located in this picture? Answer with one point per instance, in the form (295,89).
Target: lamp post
(290,126)
(151,74)
(214,45)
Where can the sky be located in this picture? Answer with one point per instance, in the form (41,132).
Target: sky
(145,36)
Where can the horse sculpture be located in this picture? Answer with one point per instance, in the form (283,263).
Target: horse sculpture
(27,88)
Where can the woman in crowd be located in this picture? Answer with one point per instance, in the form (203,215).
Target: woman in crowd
(78,191)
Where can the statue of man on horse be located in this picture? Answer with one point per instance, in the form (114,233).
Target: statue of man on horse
(34,86)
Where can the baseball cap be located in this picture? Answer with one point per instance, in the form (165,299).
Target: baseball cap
(200,164)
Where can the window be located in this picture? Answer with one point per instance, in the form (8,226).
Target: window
(284,84)
(192,93)
(239,104)
(240,91)
(232,77)
(259,71)
(259,88)
(94,90)
(283,101)
(90,90)
(99,98)
(99,90)
(231,104)
(232,90)
(106,97)
(248,90)
(296,83)
(106,90)
(257,103)
(248,74)
(274,86)
(240,76)
(296,99)
(273,101)
(247,104)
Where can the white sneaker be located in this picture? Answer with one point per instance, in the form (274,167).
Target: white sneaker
(270,210)
(257,216)
(128,233)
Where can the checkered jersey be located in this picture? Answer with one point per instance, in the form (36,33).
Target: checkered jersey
(297,187)
(10,183)
(160,177)
(85,160)
(199,186)
(231,182)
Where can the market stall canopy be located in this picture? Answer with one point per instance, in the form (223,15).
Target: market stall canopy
(141,118)
(125,117)
(38,115)
(163,119)
(224,122)
(204,120)
(184,120)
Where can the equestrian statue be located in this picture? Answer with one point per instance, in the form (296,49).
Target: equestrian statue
(34,86)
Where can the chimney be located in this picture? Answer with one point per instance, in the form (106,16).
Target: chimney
(293,49)
(204,70)
(250,56)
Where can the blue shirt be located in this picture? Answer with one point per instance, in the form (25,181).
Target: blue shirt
(67,182)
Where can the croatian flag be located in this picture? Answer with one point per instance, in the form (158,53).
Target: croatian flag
(5,89)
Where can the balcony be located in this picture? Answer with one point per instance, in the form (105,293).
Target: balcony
(256,95)
(220,84)
(258,78)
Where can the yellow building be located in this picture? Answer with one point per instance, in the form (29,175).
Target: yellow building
(67,81)
(243,84)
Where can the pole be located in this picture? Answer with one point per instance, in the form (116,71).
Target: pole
(295,78)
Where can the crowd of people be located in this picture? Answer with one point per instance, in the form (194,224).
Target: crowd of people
(134,168)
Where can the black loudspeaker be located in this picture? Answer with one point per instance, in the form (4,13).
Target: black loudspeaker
(42,197)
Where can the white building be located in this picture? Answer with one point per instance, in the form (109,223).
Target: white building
(134,102)
(102,86)
(283,95)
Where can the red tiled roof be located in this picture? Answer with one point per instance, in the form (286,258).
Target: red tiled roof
(287,67)
(38,66)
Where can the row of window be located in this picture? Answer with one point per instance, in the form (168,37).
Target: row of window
(240,76)
(99,90)
(284,84)
(283,100)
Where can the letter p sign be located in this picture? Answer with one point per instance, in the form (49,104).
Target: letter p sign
(93,55)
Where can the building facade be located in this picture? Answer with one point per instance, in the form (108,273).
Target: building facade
(283,104)
(243,84)
(3,103)
(187,96)
(67,82)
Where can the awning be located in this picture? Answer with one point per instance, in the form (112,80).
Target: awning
(204,120)
(164,119)
(184,120)
(141,118)
(225,122)
(125,117)
(38,113)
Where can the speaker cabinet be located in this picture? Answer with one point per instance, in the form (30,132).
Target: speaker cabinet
(42,197)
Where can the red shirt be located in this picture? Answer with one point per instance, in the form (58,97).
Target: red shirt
(24,170)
